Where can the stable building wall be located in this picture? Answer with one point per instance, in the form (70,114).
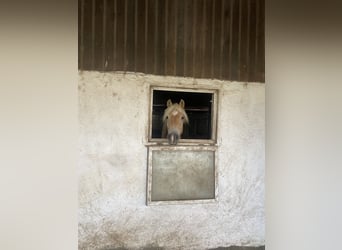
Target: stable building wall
(113,214)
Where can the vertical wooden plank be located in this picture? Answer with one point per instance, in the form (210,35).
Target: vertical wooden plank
(130,35)
(87,34)
(98,36)
(199,29)
(125,35)
(239,41)
(135,35)
(109,35)
(203,36)
(93,34)
(243,42)
(252,36)
(225,38)
(175,38)
(80,34)
(207,43)
(155,23)
(170,38)
(184,35)
(198,38)
(166,28)
(234,74)
(217,40)
(150,36)
(160,39)
(261,38)
(180,39)
(225,73)
(231,34)
(140,59)
(256,53)
(156,8)
(222,37)
(194,19)
(194,26)
(247,40)
(188,38)
(146,33)
(212,39)
(120,39)
(104,62)
(115,35)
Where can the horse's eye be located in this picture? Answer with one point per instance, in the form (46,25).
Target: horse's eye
(182,117)
(167,117)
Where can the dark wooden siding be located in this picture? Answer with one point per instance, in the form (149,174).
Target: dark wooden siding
(222,39)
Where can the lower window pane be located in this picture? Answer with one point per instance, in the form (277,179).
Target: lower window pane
(182,175)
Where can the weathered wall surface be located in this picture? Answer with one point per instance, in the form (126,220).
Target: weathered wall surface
(113,116)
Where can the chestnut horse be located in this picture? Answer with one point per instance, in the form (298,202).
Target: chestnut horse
(173,120)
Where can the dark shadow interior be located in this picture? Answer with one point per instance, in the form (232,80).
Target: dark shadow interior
(197,107)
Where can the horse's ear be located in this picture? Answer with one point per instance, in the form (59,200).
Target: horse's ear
(168,103)
(182,103)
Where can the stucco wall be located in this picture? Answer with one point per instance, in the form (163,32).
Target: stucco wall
(113,116)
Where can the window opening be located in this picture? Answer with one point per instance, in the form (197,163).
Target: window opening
(198,107)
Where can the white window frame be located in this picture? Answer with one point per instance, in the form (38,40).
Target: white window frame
(156,144)
(214,107)
(180,148)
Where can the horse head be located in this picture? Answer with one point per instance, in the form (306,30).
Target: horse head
(173,120)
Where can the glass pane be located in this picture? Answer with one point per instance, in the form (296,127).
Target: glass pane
(183,175)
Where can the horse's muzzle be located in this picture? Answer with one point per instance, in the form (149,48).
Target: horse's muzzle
(173,138)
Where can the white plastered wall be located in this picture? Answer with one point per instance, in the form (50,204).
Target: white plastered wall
(113,117)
